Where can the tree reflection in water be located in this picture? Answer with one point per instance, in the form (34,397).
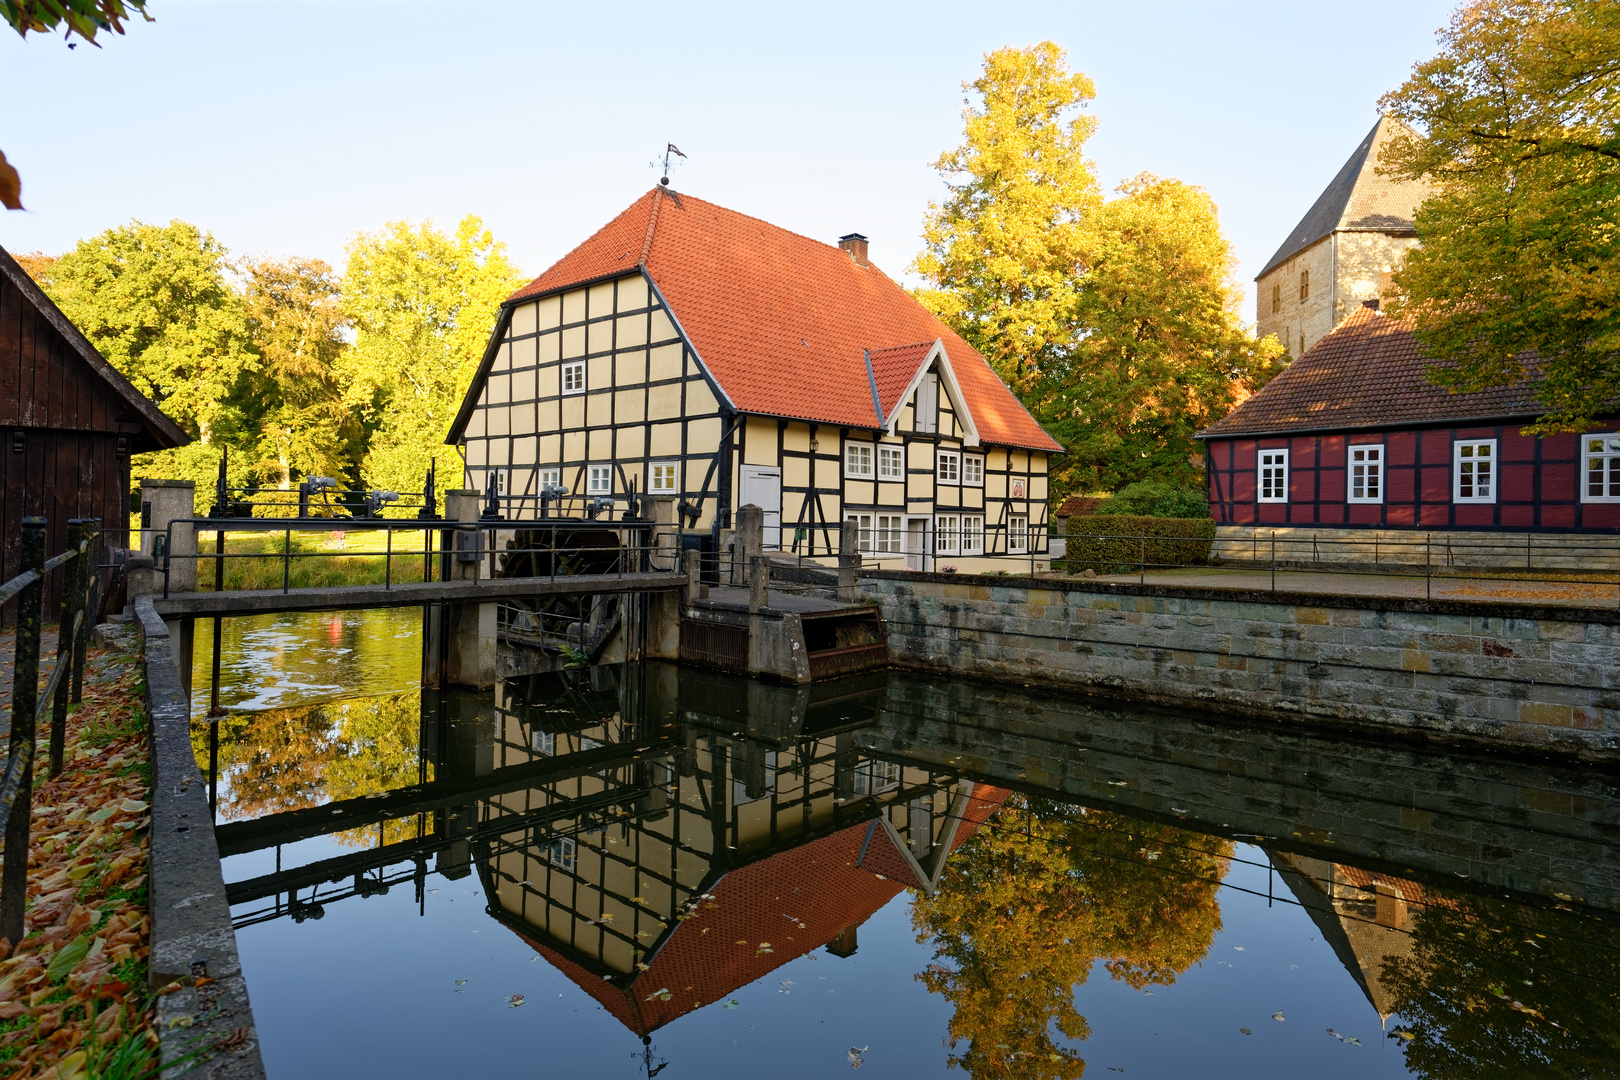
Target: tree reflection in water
(1034,899)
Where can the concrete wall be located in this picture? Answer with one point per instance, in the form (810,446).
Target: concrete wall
(1495,674)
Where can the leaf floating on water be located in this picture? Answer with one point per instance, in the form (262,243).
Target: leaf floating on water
(787,987)
(1237,948)
(855,1054)
(732,1004)
(1400,1034)
(1564,896)
(1352,1040)
(514,1001)
(662,994)
(1246,1031)
(638,899)
(461,982)
(1277,1016)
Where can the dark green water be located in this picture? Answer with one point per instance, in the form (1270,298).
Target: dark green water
(656,870)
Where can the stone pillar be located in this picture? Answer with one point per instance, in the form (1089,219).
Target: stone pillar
(163,501)
(849,561)
(470,629)
(750,541)
(665,531)
(759,584)
(692,563)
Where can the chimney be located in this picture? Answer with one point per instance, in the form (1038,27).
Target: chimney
(1373,303)
(854,245)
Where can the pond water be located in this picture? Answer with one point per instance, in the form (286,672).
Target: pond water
(649,870)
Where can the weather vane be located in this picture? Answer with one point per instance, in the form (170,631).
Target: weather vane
(671,149)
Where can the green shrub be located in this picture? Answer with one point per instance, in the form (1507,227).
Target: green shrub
(1112,543)
(1149,499)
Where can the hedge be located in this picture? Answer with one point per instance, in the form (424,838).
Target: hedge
(1111,542)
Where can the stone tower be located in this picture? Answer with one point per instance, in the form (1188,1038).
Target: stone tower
(1343,250)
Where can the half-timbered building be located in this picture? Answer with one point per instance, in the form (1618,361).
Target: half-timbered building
(690,351)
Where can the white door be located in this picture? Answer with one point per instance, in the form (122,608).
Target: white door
(763,488)
(917,543)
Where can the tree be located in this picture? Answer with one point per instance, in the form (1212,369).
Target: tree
(157,302)
(422,304)
(1520,136)
(293,404)
(1034,899)
(1159,350)
(1116,321)
(1004,252)
(85,18)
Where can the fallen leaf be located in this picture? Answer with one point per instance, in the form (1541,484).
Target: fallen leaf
(1277,1016)
(514,1001)
(1246,1031)
(732,1004)
(133,806)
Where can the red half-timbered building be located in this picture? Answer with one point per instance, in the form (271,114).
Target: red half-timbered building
(1353,436)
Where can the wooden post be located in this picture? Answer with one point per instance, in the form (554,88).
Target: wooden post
(91,604)
(24,703)
(73,574)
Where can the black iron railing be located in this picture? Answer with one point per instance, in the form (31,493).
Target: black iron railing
(80,600)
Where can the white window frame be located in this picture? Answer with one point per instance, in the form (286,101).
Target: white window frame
(887,534)
(1372,473)
(863,530)
(858,459)
(891,462)
(1466,462)
(503,480)
(947,537)
(593,473)
(573,377)
(656,472)
(873,777)
(1017,534)
(948,467)
(973,470)
(563,853)
(1274,470)
(552,476)
(543,742)
(1602,447)
(972,529)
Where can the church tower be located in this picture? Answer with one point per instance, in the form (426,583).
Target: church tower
(1343,250)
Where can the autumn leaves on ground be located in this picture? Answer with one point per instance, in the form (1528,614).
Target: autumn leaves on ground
(74,999)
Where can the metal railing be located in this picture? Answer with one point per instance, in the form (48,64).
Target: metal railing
(1558,567)
(80,597)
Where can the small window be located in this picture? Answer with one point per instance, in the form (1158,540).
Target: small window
(1474,478)
(562,852)
(947,540)
(973,470)
(550,478)
(501,478)
(544,743)
(1366,474)
(875,777)
(927,409)
(948,467)
(1304,284)
(863,527)
(573,377)
(600,480)
(887,537)
(1273,476)
(1017,534)
(1276,297)
(858,460)
(663,477)
(1602,453)
(973,534)
(891,463)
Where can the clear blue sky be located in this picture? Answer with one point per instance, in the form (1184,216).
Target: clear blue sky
(284,128)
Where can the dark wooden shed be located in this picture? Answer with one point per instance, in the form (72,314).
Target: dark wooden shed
(70,422)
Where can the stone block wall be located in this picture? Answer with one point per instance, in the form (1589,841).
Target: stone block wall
(1442,550)
(1496,674)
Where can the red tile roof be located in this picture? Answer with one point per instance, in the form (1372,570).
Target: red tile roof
(817,884)
(780,320)
(1366,373)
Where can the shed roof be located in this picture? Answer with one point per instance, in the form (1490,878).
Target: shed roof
(1368,372)
(782,322)
(1357,199)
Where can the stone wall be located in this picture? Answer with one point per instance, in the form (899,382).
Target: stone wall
(1442,550)
(1490,673)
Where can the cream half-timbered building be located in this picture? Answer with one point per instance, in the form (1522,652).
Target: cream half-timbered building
(689,351)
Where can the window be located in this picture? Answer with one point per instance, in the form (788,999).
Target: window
(887,537)
(550,478)
(1367,474)
(973,470)
(1304,284)
(500,480)
(863,526)
(1273,476)
(1017,534)
(876,777)
(947,541)
(1276,297)
(948,467)
(561,852)
(858,460)
(663,477)
(891,463)
(1474,478)
(1602,453)
(927,410)
(973,534)
(544,742)
(573,377)
(601,480)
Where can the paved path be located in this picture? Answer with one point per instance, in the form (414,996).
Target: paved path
(1571,593)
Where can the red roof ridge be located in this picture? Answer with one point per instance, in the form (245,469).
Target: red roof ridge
(652,225)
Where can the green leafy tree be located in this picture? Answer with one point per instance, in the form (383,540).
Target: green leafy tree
(293,405)
(1034,899)
(1519,133)
(422,304)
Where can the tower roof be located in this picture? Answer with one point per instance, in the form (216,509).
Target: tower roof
(1357,199)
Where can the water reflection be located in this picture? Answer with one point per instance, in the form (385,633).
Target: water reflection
(665,838)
